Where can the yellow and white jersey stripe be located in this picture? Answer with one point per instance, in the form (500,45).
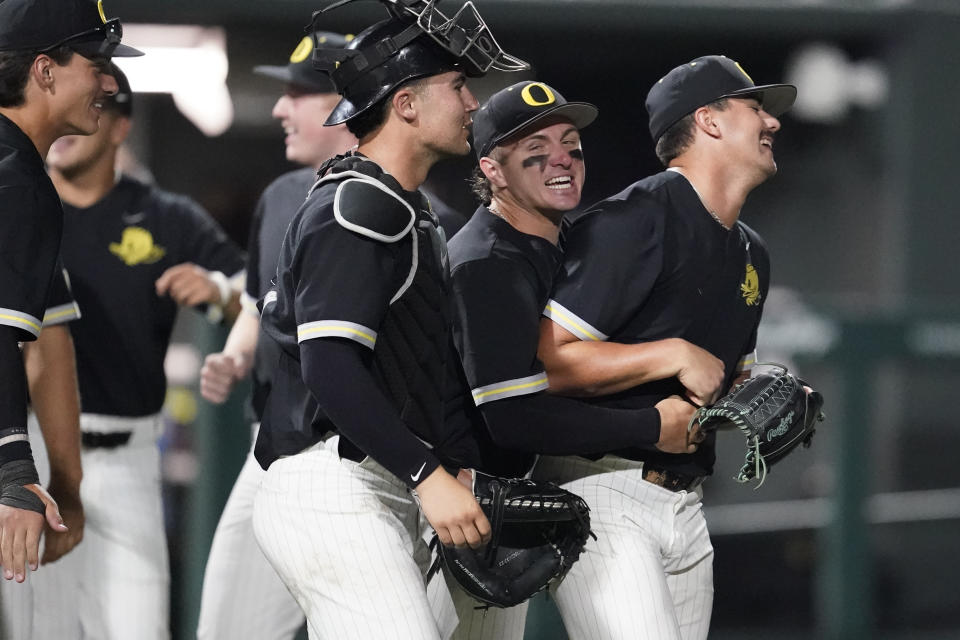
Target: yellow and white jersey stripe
(20,320)
(573,323)
(60,314)
(510,388)
(337,329)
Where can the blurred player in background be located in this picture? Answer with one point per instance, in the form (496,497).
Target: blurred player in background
(242,594)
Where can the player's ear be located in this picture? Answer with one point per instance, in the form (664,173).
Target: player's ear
(491,169)
(404,103)
(41,71)
(119,129)
(704,119)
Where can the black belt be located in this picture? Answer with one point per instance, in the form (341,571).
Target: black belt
(99,440)
(671,480)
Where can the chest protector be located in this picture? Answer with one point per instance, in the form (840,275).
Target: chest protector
(410,355)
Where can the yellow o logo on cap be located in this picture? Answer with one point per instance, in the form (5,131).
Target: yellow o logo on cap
(303,50)
(103,16)
(533,102)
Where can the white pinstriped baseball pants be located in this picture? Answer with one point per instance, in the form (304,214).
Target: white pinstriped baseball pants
(243,597)
(115,585)
(649,574)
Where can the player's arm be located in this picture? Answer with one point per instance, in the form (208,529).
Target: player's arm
(221,371)
(579,367)
(23,503)
(337,373)
(190,285)
(52,380)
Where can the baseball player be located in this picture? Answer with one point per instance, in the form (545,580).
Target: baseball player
(531,172)
(242,594)
(665,260)
(134,254)
(353,435)
(52,57)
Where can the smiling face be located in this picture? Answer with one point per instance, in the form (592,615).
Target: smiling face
(81,86)
(444,118)
(543,171)
(73,155)
(748,135)
(302,114)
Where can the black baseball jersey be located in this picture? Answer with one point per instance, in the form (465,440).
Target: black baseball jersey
(61,306)
(114,251)
(276,208)
(31,224)
(363,261)
(652,263)
(502,280)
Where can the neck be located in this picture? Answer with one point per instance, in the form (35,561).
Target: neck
(721,191)
(85,188)
(534,223)
(399,156)
(33,122)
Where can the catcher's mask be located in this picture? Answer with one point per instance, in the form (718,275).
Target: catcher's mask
(394,51)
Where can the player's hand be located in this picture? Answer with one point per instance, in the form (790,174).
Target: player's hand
(220,371)
(675,415)
(452,511)
(20,531)
(59,542)
(700,372)
(188,285)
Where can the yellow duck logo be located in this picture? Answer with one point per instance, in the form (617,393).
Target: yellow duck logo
(136,247)
(751,286)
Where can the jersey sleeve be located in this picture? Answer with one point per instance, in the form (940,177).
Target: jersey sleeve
(205,242)
(251,292)
(28,251)
(343,282)
(496,329)
(613,258)
(61,306)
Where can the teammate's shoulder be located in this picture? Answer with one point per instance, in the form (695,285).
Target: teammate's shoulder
(297,180)
(364,200)
(753,237)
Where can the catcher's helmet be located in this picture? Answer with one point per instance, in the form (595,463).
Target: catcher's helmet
(417,41)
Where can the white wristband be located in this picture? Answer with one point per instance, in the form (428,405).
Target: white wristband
(223,286)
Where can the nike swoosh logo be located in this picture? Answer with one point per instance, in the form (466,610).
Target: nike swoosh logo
(133,218)
(416,477)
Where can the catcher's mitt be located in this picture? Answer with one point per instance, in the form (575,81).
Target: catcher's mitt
(538,532)
(774,412)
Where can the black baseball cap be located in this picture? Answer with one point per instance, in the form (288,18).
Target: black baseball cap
(300,70)
(42,25)
(520,106)
(122,100)
(704,80)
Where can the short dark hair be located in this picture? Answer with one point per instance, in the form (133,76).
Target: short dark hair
(15,69)
(376,115)
(679,136)
(480,186)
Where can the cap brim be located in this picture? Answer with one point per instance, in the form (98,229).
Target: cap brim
(342,112)
(275,72)
(775,98)
(580,114)
(92,48)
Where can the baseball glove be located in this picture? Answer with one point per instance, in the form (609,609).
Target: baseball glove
(538,531)
(773,411)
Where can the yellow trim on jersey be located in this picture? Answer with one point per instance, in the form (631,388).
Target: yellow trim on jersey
(510,388)
(21,320)
(577,326)
(337,329)
(61,313)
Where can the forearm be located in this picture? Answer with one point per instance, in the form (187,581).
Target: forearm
(581,368)
(242,341)
(562,426)
(52,379)
(14,443)
(341,382)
